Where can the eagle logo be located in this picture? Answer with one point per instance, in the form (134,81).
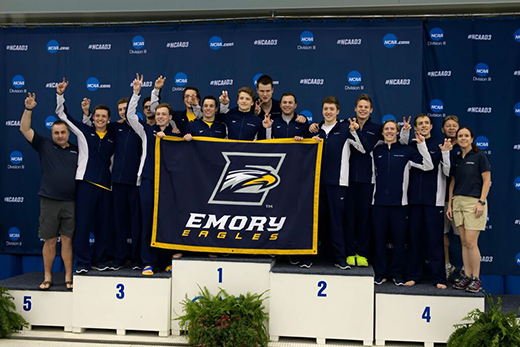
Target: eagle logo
(247,178)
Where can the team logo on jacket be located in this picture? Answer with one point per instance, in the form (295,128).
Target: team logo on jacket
(247,178)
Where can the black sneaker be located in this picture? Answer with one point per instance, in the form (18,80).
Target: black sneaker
(398,281)
(379,280)
(342,265)
(306,264)
(475,286)
(100,267)
(463,283)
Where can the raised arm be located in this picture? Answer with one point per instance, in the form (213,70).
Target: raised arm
(355,142)
(85,108)
(61,110)
(426,163)
(25,123)
(404,135)
(155,98)
(446,147)
(131,110)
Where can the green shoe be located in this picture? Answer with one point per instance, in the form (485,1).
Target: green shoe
(361,261)
(351,260)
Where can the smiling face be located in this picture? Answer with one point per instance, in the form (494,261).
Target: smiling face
(330,113)
(390,132)
(265,92)
(101,118)
(209,107)
(423,126)
(190,98)
(363,110)
(121,109)
(288,105)
(60,135)
(464,138)
(450,128)
(162,116)
(245,101)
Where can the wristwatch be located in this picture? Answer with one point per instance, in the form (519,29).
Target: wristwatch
(483,203)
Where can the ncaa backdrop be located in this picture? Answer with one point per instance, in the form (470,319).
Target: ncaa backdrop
(407,66)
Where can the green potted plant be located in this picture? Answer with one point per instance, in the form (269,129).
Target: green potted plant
(223,320)
(10,320)
(490,329)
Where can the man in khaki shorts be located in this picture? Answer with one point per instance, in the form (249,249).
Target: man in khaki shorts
(57,191)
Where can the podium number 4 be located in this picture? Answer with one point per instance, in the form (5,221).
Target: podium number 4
(321,292)
(426,314)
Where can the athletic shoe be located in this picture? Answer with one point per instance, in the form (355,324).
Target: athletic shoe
(398,281)
(81,269)
(293,262)
(379,280)
(450,270)
(463,283)
(147,271)
(361,261)
(115,267)
(461,276)
(342,266)
(351,260)
(100,267)
(136,267)
(475,286)
(168,269)
(306,264)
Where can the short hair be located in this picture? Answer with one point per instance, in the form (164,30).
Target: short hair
(452,117)
(390,121)
(122,101)
(330,100)
(289,94)
(265,80)
(248,91)
(210,97)
(145,100)
(365,97)
(167,105)
(191,88)
(60,122)
(101,107)
(421,115)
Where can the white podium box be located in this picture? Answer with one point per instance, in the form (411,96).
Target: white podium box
(421,313)
(235,275)
(322,302)
(122,300)
(52,308)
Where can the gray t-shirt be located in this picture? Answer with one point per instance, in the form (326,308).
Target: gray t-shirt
(58,168)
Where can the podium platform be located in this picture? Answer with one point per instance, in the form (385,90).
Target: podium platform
(322,302)
(122,300)
(421,313)
(237,275)
(51,308)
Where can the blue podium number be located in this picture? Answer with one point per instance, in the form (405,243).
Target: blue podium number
(426,314)
(27,304)
(219,275)
(321,292)
(121,294)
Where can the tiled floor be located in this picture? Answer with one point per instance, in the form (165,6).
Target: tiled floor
(47,337)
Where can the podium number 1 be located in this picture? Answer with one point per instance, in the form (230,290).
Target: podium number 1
(322,285)
(426,314)
(219,275)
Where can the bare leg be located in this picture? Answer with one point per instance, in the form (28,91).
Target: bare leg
(66,255)
(473,251)
(48,253)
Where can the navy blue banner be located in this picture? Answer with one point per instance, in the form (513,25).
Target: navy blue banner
(224,196)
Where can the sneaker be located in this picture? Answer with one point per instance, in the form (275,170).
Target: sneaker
(342,266)
(81,269)
(361,261)
(379,280)
(398,281)
(293,261)
(115,267)
(475,286)
(147,271)
(462,275)
(463,283)
(450,270)
(168,269)
(306,264)
(351,260)
(101,267)
(136,267)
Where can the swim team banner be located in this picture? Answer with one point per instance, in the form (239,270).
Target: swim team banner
(237,197)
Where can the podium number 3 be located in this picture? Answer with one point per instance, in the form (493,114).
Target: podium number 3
(121,294)
(322,285)
(426,314)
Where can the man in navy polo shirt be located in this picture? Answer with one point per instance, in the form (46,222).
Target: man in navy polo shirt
(59,160)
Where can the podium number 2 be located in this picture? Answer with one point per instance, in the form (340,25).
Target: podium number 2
(121,294)
(322,285)
(27,304)
(426,314)
(219,275)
